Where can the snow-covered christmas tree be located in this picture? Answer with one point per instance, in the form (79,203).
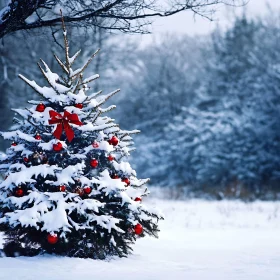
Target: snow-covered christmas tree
(68,189)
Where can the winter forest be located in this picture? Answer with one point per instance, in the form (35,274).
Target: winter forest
(208,109)
(208,105)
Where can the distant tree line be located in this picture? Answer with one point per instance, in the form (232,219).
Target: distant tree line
(209,109)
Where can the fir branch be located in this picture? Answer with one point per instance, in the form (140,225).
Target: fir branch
(66,44)
(85,66)
(28,83)
(61,64)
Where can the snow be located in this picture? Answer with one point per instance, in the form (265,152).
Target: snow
(199,240)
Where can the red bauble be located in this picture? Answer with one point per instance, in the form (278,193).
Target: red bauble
(114,141)
(62,188)
(19,192)
(110,158)
(138,199)
(38,137)
(57,147)
(14,144)
(94,163)
(40,107)
(114,176)
(95,144)
(126,180)
(87,190)
(138,229)
(25,159)
(79,105)
(52,238)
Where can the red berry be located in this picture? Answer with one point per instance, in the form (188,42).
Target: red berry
(110,158)
(52,238)
(138,199)
(94,163)
(62,188)
(138,229)
(57,147)
(38,137)
(25,159)
(40,107)
(19,192)
(114,141)
(14,144)
(95,144)
(79,105)
(87,190)
(126,180)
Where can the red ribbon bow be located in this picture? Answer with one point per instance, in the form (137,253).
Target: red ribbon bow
(63,122)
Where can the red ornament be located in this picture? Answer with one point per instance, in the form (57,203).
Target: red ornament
(110,158)
(14,144)
(138,229)
(79,106)
(19,192)
(52,238)
(138,199)
(63,123)
(40,108)
(38,137)
(87,190)
(114,176)
(62,188)
(114,141)
(94,163)
(126,180)
(57,147)
(95,144)
(25,159)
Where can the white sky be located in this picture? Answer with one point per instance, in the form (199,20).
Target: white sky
(186,23)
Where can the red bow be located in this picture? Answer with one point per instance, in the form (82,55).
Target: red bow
(63,122)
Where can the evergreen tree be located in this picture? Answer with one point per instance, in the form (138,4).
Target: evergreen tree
(68,189)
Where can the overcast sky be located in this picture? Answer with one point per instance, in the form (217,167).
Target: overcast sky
(186,23)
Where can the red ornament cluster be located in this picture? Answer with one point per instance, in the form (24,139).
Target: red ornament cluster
(138,199)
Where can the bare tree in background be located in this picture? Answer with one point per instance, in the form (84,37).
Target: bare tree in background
(123,15)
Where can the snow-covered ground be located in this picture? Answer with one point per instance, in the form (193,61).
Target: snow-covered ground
(199,240)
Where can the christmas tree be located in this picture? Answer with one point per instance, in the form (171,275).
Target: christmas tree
(68,189)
